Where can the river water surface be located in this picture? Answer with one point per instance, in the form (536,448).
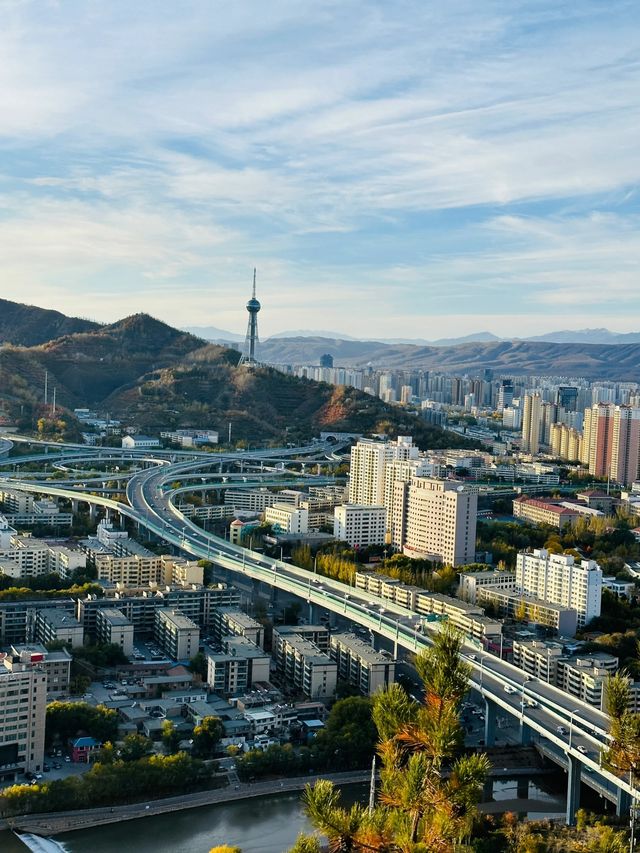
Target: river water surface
(262,825)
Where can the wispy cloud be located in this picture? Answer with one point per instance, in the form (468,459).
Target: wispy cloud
(420,159)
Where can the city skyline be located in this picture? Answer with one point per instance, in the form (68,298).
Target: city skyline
(452,171)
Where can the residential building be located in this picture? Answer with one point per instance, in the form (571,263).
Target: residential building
(360,665)
(584,676)
(18,618)
(56,665)
(541,511)
(56,626)
(140,605)
(179,572)
(231,622)
(531,423)
(626,588)
(598,438)
(316,634)
(131,570)
(538,658)
(368,463)
(240,665)
(435,520)
(561,579)
(625,445)
(23,703)
(470,582)
(528,608)
(360,525)
(287,518)
(178,635)
(303,666)
(112,626)
(403,470)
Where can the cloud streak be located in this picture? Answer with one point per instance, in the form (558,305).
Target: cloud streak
(422,160)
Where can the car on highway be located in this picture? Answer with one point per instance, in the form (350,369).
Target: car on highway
(561,730)
(582,749)
(509,689)
(531,703)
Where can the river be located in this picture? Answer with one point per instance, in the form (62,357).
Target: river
(265,825)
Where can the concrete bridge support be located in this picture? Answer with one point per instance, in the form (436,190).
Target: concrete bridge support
(525,734)
(522,787)
(490,709)
(623,803)
(487,791)
(573,789)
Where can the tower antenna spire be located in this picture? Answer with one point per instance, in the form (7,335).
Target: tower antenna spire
(254,282)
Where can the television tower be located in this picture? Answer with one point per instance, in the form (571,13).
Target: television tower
(253,306)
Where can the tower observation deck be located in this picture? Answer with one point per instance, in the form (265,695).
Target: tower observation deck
(253,307)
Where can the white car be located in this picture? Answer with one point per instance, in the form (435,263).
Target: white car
(582,749)
(531,703)
(509,689)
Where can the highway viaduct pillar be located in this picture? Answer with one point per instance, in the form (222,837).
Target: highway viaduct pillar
(487,791)
(573,789)
(490,710)
(525,734)
(623,803)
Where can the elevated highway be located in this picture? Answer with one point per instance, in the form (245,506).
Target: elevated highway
(570,727)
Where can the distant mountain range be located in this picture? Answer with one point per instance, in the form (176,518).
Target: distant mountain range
(564,336)
(591,361)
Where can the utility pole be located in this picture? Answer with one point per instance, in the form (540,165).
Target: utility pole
(53,405)
(372,786)
(46,387)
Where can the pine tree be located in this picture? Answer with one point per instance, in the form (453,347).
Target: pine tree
(420,807)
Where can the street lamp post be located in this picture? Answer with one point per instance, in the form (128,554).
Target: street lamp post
(571,713)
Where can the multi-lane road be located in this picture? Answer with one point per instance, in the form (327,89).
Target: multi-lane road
(571,727)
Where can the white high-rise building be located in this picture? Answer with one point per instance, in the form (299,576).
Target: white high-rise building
(360,526)
(368,461)
(560,579)
(435,519)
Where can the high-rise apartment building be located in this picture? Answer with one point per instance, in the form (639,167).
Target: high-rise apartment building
(560,579)
(435,519)
(597,438)
(625,445)
(567,398)
(531,423)
(23,705)
(368,461)
(611,442)
(505,395)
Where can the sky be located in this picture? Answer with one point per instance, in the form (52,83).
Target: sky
(393,168)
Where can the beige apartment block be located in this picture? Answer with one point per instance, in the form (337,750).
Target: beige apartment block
(436,520)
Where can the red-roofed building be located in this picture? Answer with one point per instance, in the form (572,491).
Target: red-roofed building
(540,511)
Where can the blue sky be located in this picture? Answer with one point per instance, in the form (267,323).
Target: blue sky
(395,168)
